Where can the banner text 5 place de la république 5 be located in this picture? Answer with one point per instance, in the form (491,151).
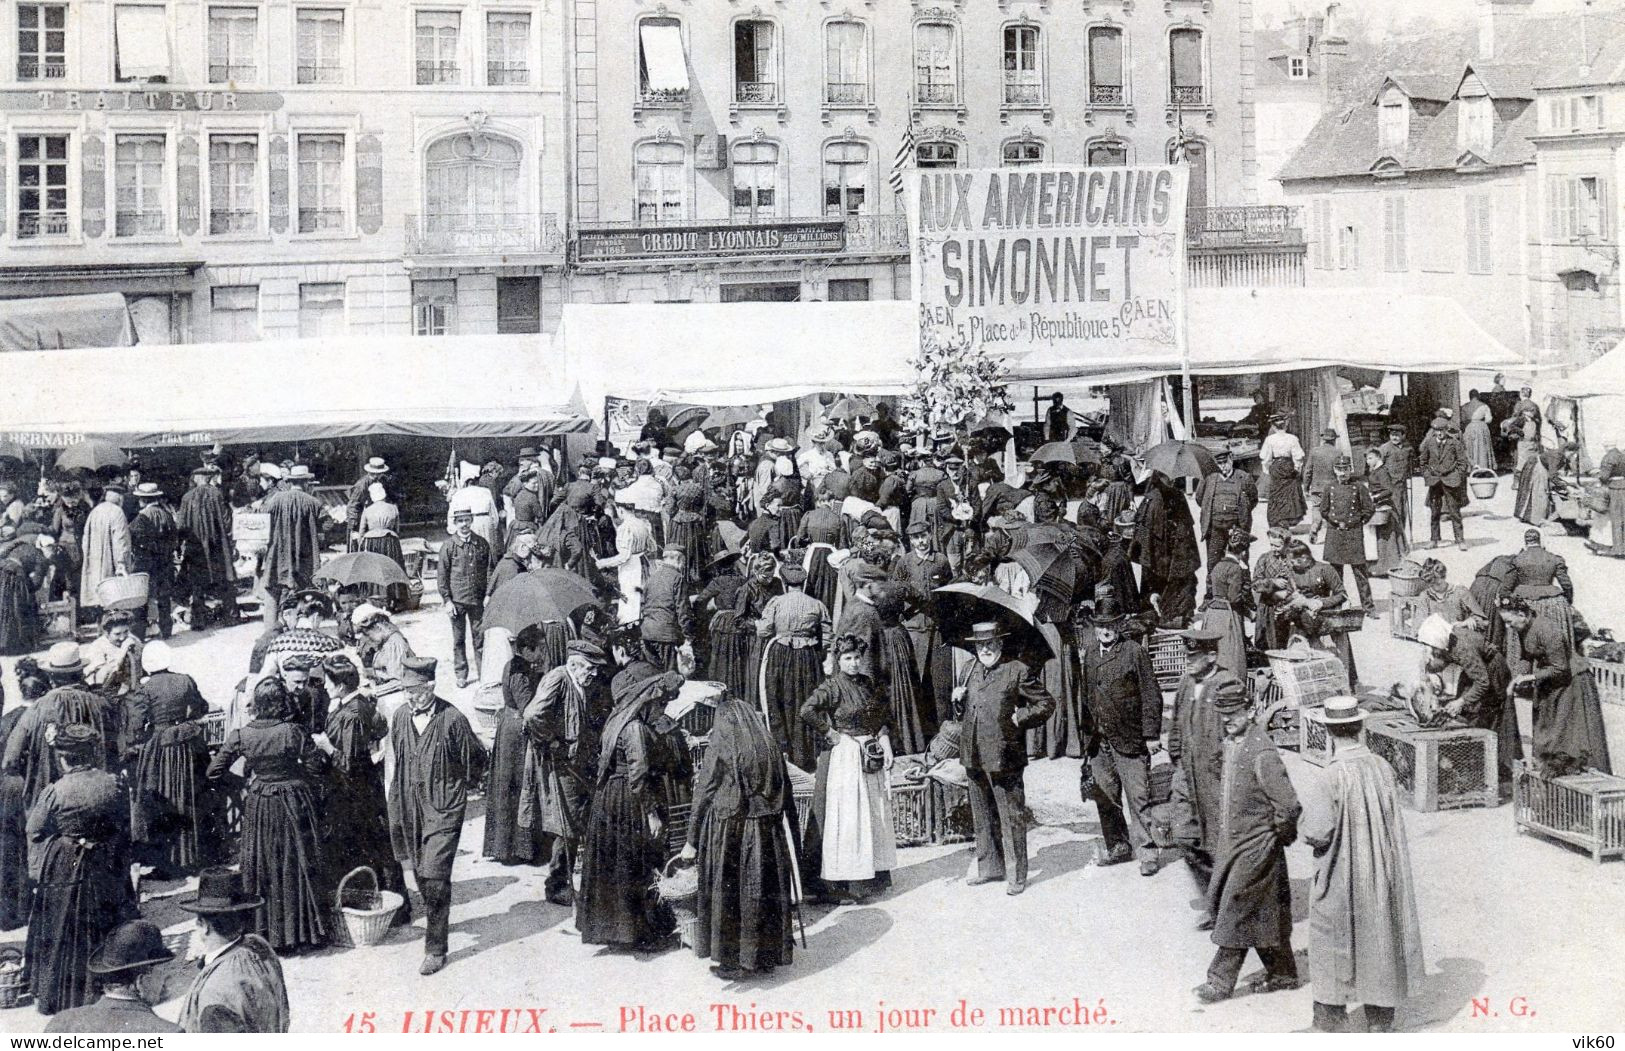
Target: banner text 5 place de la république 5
(1085,263)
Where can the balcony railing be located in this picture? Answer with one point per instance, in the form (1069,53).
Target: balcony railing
(462,233)
(437,72)
(232,73)
(318,220)
(1020,91)
(33,69)
(1260,224)
(936,94)
(42,224)
(325,73)
(756,93)
(233,221)
(1106,94)
(663,97)
(838,93)
(506,74)
(1189,95)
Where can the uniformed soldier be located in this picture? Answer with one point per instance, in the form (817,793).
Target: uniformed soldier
(1397,457)
(1227,499)
(1347,506)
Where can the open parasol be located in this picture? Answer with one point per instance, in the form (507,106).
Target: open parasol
(91,455)
(303,640)
(1051,565)
(362,567)
(848,407)
(536,597)
(731,416)
(13,451)
(1181,460)
(959,606)
(1065,453)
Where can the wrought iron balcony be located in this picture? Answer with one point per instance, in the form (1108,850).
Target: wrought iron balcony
(1106,94)
(1256,224)
(506,74)
(936,94)
(1189,95)
(437,73)
(1020,90)
(468,234)
(33,69)
(838,93)
(756,93)
(663,97)
(42,224)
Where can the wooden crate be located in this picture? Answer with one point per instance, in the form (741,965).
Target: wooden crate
(1307,682)
(1587,810)
(214,728)
(1610,678)
(1314,743)
(1405,614)
(911,814)
(1449,769)
(677,827)
(1167,649)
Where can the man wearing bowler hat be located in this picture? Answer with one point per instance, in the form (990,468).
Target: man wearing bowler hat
(465,567)
(239,987)
(437,760)
(1124,705)
(125,967)
(295,540)
(562,723)
(1396,456)
(1003,698)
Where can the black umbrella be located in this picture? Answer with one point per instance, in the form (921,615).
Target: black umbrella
(91,455)
(362,567)
(1181,460)
(1058,452)
(961,606)
(535,597)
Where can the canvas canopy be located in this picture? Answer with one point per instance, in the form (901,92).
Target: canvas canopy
(296,390)
(1599,391)
(55,322)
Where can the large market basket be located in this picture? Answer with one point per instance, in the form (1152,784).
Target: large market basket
(678,888)
(123,592)
(364,916)
(13,977)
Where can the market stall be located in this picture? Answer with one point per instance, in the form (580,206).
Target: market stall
(1591,406)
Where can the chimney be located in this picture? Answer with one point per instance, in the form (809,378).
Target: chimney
(1498,22)
(1315,31)
(1334,53)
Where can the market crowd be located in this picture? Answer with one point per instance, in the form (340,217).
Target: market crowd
(785,586)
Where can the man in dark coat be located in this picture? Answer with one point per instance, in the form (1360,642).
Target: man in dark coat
(1117,566)
(239,987)
(1396,456)
(208,570)
(1250,895)
(465,565)
(1227,500)
(1196,746)
(125,967)
(1318,474)
(668,617)
(296,535)
(922,569)
(1003,698)
(1169,556)
(1444,467)
(153,543)
(437,760)
(1124,705)
(1346,507)
(562,722)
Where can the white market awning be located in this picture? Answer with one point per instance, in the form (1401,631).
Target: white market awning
(141,41)
(64,322)
(664,63)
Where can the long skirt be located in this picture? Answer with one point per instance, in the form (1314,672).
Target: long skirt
(14,890)
(689,533)
(912,721)
(1480,447)
(1391,548)
(1568,727)
(19,620)
(821,577)
(1534,503)
(746,893)
(1233,646)
(83,893)
(167,811)
(730,655)
(850,837)
(282,862)
(934,663)
(789,676)
(1286,506)
(1062,733)
(390,548)
(619,863)
(356,820)
(505,841)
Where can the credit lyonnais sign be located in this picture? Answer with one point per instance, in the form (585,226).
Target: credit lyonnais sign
(811,237)
(1015,260)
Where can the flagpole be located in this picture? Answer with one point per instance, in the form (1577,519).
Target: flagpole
(1182,334)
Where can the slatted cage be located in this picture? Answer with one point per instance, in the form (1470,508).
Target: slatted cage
(1449,769)
(1586,810)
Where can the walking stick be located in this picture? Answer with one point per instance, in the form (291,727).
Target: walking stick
(796,891)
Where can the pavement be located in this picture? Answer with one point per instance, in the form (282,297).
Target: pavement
(1520,934)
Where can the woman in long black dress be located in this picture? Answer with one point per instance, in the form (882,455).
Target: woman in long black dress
(19,614)
(505,840)
(727,648)
(14,890)
(381,534)
(357,825)
(78,833)
(761,587)
(742,806)
(169,770)
(281,853)
(897,672)
(623,849)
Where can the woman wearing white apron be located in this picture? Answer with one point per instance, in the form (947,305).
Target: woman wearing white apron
(849,844)
(634,545)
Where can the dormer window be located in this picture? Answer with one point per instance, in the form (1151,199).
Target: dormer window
(1393,121)
(1477,129)
(1298,68)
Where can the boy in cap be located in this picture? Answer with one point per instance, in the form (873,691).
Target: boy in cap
(465,564)
(1346,506)
(437,760)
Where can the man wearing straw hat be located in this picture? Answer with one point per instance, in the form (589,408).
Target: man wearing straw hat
(153,543)
(239,988)
(1250,896)
(125,967)
(1365,941)
(106,548)
(1003,698)
(375,470)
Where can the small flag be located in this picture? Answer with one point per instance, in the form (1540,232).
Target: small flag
(905,157)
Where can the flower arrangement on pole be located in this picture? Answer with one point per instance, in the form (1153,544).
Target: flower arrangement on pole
(955,384)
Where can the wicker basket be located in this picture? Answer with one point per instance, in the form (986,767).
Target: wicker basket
(365,917)
(1483,483)
(1448,769)
(1167,649)
(1587,810)
(1306,677)
(125,592)
(13,978)
(1405,580)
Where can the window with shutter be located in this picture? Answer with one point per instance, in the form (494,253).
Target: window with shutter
(846,63)
(1185,67)
(1107,87)
(936,80)
(1393,235)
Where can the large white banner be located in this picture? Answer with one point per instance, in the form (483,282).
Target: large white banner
(1085,261)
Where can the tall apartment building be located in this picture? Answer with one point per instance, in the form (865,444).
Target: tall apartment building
(279,168)
(736,150)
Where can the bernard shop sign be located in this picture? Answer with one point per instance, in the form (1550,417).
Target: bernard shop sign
(808,237)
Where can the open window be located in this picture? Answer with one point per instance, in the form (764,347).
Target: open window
(662,64)
(756,62)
